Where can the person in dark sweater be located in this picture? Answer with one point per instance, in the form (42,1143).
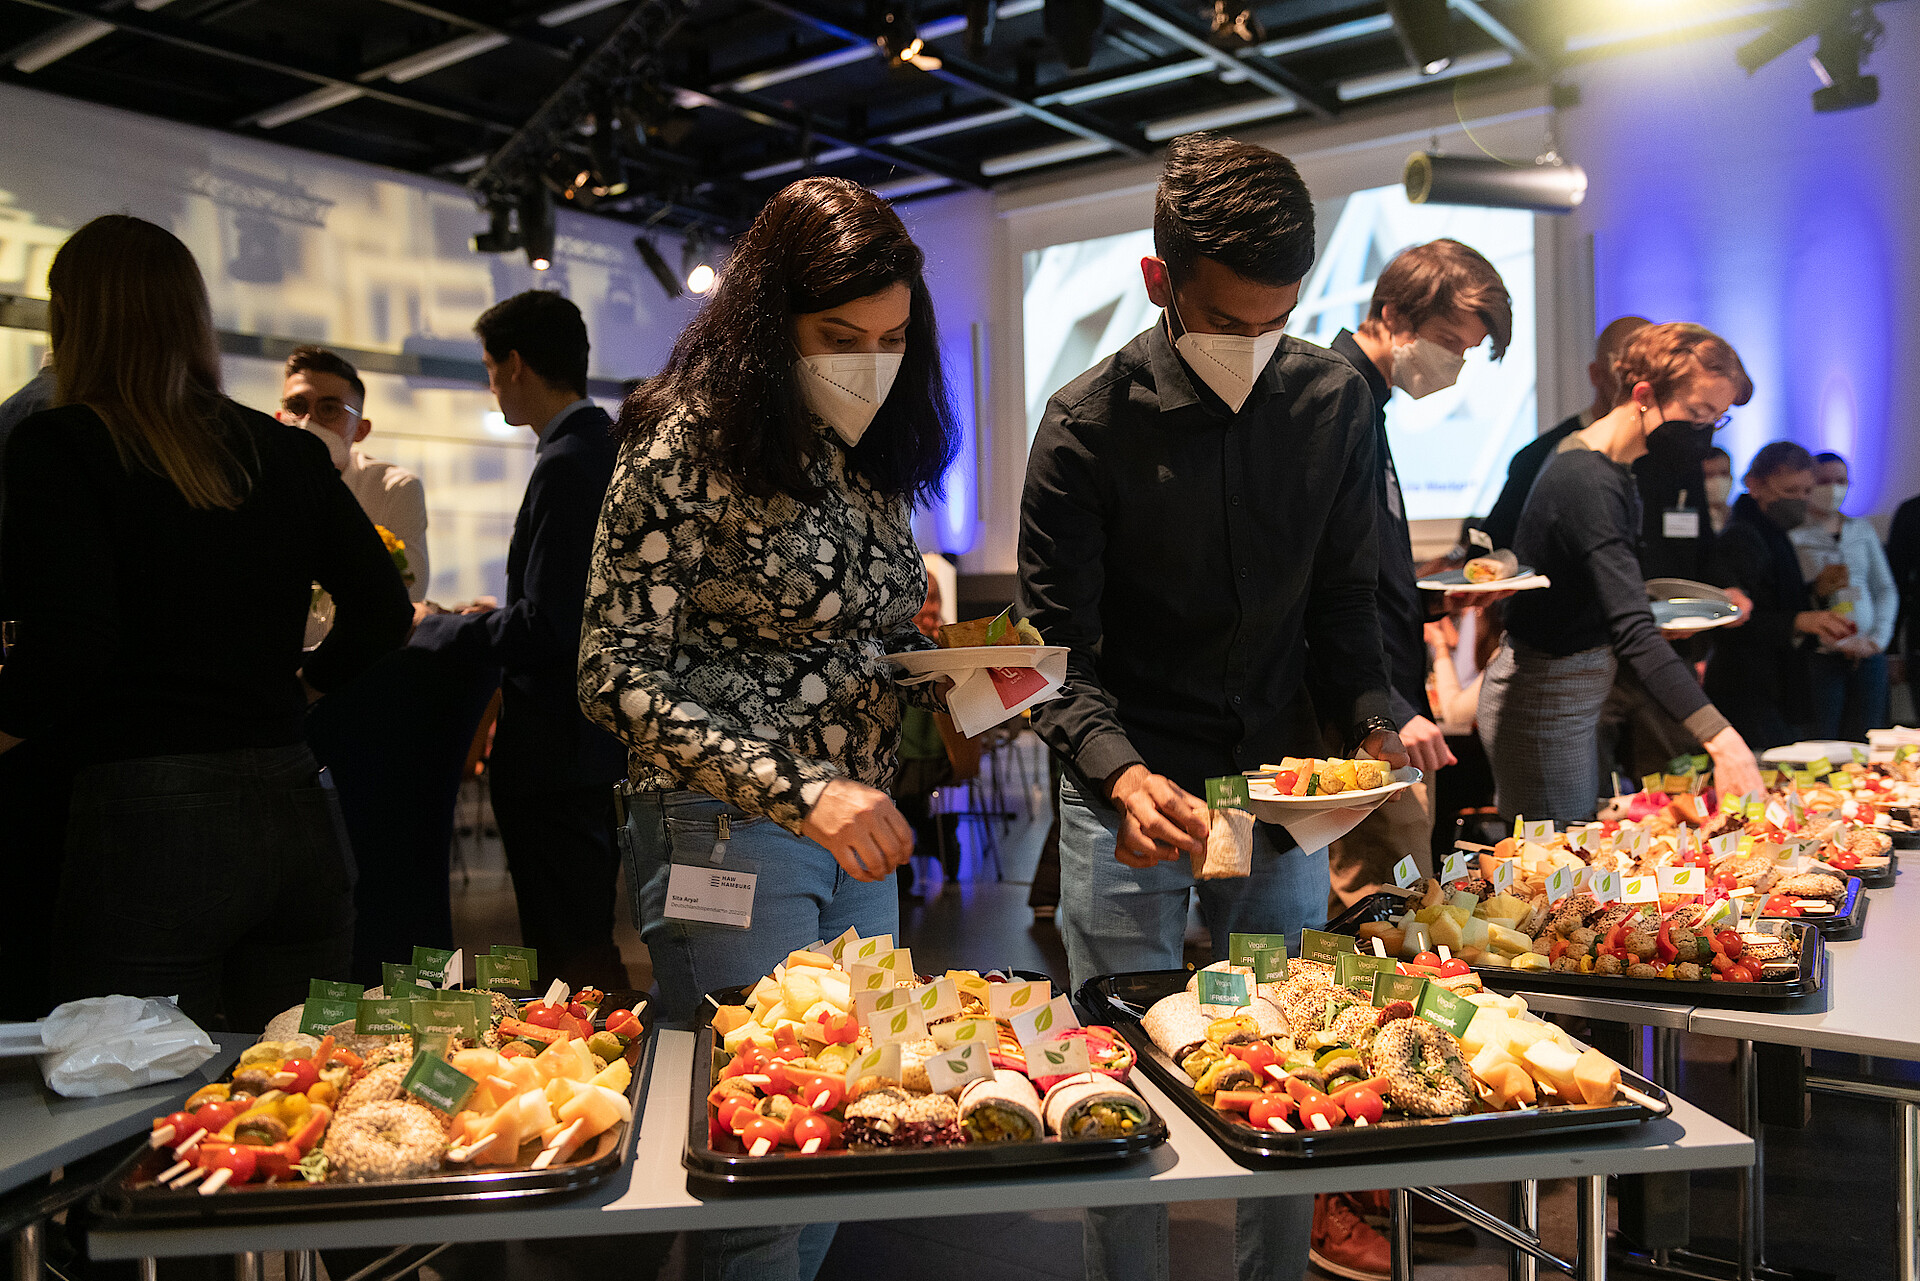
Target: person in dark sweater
(553,770)
(1758,672)
(1541,699)
(1503,522)
(160,549)
(1431,305)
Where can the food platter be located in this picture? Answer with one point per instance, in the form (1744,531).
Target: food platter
(1692,614)
(130,1194)
(730,1169)
(1122,999)
(1455,580)
(1808,978)
(1270,807)
(946,662)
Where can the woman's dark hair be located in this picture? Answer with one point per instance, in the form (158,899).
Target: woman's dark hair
(1781,455)
(1243,206)
(1829,457)
(818,244)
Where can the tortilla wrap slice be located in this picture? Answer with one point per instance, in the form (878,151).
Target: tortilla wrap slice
(1074,1108)
(1176,1025)
(1002,1108)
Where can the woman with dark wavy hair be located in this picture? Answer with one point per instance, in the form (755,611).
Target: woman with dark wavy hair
(755,562)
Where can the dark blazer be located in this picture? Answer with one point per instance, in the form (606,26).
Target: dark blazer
(1758,673)
(1503,522)
(544,742)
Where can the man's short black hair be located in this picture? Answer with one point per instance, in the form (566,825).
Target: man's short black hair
(1243,206)
(318,360)
(547,331)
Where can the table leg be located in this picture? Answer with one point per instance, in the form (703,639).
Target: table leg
(1590,1193)
(1526,1216)
(1908,1115)
(29,1246)
(147,1269)
(1752,1256)
(1401,1222)
(300,1266)
(246,1267)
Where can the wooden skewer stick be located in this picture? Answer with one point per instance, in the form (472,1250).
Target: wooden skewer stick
(565,1137)
(173,1171)
(198,1172)
(1646,1101)
(467,1153)
(215,1181)
(192,1142)
(1280,1124)
(161,1137)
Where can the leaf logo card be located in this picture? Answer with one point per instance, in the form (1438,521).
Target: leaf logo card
(971,984)
(1559,884)
(869,978)
(867,951)
(1406,872)
(1064,1057)
(1224,987)
(892,1015)
(882,1061)
(1005,1000)
(1724,846)
(1640,889)
(1675,879)
(841,944)
(1639,842)
(938,1000)
(966,1031)
(1045,1023)
(897,961)
(1502,874)
(1604,885)
(956,1065)
(1538,831)
(1457,866)
(1652,783)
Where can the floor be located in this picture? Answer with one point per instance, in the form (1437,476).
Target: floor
(1830,1185)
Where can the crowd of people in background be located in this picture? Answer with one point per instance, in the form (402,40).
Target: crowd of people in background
(233,725)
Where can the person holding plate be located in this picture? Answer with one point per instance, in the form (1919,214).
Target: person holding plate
(1542,697)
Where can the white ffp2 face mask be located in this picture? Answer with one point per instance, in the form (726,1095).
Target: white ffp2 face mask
(1827,498)
(338,447)
(1719,489)
(1421,368)
(847,390)
(1228,363)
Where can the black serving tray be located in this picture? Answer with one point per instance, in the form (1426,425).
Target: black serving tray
(1733,996)
(1122,999)
(128,1196)
(733,1173)
(1845,925)
(1878,878)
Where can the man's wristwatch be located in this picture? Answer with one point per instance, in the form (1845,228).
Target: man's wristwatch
(1374,725)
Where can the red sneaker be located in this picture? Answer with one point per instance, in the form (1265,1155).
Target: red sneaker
(1344,1246)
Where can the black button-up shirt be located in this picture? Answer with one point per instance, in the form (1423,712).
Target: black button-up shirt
(1403,613)
(1189,556)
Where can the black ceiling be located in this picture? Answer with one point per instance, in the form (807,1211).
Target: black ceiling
(713,104)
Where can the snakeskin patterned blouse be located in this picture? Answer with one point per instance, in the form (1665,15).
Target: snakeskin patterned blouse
(734,643)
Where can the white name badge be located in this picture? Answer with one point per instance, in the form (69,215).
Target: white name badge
(715,895)
(1680,523)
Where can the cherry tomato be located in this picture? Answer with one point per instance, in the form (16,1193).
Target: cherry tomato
(1780,905)
(580,1011)
(183,1123)
(540,1014)
(1320,1106)
(812,1128)
(1364,1104)
(1845,860)
(1454,967)
(624,1024)
(1431,959)
(305,1073)
(1285,781)
(842,1029)
(1728,941)
(215,1116)
(762,1130)
(730,1108)
(1257,1055)
(228,1156)
(1738,972)
(1268,1108)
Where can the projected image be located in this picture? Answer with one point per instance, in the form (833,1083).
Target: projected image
(1083,301)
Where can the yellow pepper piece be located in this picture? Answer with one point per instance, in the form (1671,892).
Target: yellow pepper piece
(1586,964)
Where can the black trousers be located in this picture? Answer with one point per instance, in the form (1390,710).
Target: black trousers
(36,781)
(566,871)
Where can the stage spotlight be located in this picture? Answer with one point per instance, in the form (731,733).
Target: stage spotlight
(1789,29)
(901,42)
(1551,186)
(1073,26)
(1235,25)
(536,225)
(603,151)
(499,237)
(696,263)
(1843,47)
(1425,32)
(650,255)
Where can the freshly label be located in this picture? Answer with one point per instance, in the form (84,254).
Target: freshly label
(446,1015)
(1357,972)
(431,963)
(1388,988)
(1223,987)
(320,1013)
(392,975)
(530,955)
(1243,948)
(503,973)
(389,1017)
(1228,792)
(1444,1009)
(956,1065)
(329,991)
(433,1080)
(1045,1023)
(1318,945)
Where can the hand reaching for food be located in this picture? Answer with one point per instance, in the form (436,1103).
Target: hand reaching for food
(1159,820)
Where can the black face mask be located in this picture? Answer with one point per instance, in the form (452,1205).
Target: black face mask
(1787,513)
(1678,442)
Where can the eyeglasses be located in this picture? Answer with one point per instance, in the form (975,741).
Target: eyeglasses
(332,414)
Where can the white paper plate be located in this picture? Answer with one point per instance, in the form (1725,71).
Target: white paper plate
(942,662)
(1693,615)
(1455,580)
(1270,807)
(1805,753)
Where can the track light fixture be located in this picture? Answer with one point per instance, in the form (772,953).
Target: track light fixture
(1235,26)
(1425,32)
(499,237)
(696,262)
(650,255)
(1848,32)
(1548,185)
(536,225)
(900,40)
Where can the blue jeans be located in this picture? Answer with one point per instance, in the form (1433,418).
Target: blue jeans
(1115,919)
(224,877)
(801,895)
(1848,697)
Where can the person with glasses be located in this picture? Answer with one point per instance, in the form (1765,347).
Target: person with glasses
(1841,557)
(323,394)
(1542,697)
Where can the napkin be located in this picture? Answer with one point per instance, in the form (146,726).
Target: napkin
(106,1044)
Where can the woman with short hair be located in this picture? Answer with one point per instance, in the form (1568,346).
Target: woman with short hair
(1541,699)
(161,544)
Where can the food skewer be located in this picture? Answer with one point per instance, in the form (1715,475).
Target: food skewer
(177,1168)
(467,1153)
(193,1141)
(1646,1101)
(215,1181)
(191,1176)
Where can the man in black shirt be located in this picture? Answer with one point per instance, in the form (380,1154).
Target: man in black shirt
(1502,522)
(1431,305)
(1199,510)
